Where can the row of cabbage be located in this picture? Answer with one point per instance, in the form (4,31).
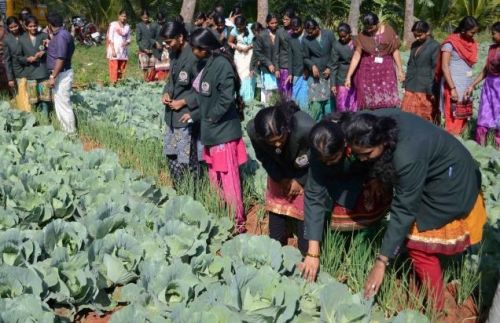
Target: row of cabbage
(78,232)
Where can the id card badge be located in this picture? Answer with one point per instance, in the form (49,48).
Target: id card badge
(379,60)
(469,74)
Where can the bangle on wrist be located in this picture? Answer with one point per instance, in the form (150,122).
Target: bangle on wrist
(382,260)
(312,255)
(453,87)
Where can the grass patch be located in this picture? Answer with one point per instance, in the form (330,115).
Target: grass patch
(91,66)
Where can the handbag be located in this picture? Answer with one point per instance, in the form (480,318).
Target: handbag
(462,109)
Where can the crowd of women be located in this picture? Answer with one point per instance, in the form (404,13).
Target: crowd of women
(302,62)
(346,168)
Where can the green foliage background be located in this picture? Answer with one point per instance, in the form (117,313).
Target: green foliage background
(442,14)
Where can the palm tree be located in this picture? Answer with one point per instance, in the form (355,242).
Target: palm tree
(409,20)
(354,15)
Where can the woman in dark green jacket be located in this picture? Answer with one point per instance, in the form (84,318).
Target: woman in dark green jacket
(181,143)
(32,56)
(221,107)
(437,206)
(146,35)
(318,52)
(343,50)
(11,48)
(266,53)
(279,136)
(339,188)
(419,97)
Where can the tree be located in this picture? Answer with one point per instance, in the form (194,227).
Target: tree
(262,11)
(187,10)
(409,20)
(354,15)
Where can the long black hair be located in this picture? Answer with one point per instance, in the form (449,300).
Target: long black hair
(241,21)
(496,27)
(173,29)
(275,120)
(370,19)
(367,130)
(327,137)
(467,23)
(420,27)
(344,28)
(205,39)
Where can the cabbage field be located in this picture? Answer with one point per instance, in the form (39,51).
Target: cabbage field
(99,230)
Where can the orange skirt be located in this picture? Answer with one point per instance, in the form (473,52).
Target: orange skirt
(454,237)
(363,215)
(419,104)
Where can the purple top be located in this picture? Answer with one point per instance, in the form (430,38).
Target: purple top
(61,46)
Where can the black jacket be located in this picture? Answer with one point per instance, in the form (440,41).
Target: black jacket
(219,118)
(342,55)
(341,183)
(421,66)
(183,71)
(11,51)
(282,48)
(295,56)
(319,52)
(146,36)
(293,161)
(265,51)
(439,181)
(36,70)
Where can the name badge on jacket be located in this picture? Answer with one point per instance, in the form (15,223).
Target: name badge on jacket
(205,88)
(183,78)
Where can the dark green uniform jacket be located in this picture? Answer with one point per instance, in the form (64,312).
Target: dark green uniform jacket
(295,56)
(37,70)
(421,66)
(146,36)
(439,180)
(342,55)
(254,61)
(293,161)
(318,51)
(265,51)
(341,183)
(281,50)
(183,71)
(219,118)
(11,50)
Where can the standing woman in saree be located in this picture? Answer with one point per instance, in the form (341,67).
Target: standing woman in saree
(488,116)
(420,97)
(265,52)
(454,72)
(318,50)
(146,34)
(241,41)
(283,54)
(343,49)
(377,51)
(118,39)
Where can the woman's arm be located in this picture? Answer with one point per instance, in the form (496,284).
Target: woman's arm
(356,57)
(445,66)
(477,80)
(397,59)
(231,40)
